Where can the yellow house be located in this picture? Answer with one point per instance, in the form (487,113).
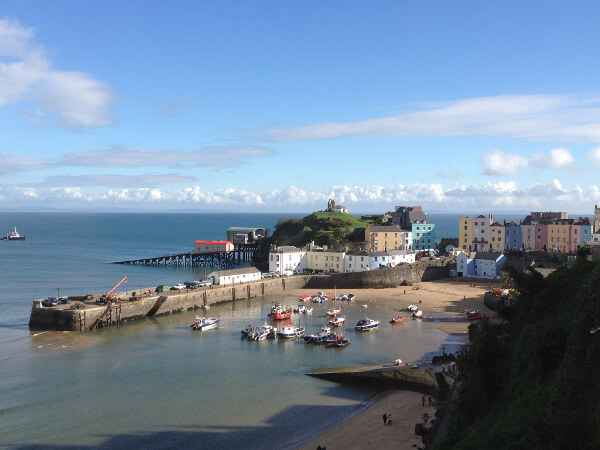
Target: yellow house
(391,237)
(528,237)
(325,260)
(497,237)
(465,232)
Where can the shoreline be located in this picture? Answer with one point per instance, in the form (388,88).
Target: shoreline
(442,299)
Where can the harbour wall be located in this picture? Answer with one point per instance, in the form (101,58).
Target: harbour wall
(382,278)
(83,314)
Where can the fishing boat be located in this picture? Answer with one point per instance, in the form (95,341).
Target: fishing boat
(13,236)
(412,308)
(308,309)
(342,342)
(351,297)
(333,312)
(305,298)
(320,337)
(279,313)
(397,319)
(299,309)
(205,323)
(290,332)
(343,297)
(262,333)
(367,324)
(337,321)
(249,330)
(418,315)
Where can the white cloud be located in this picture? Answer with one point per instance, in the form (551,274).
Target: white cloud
(528,117)
(59,98)
(498,162)
(594,157)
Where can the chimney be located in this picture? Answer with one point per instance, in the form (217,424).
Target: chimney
(504,222)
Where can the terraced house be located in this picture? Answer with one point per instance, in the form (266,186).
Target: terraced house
(391,237)
(328,261)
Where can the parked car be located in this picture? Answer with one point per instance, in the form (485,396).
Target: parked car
(163,288)
(205,283)
(178,287)
(191,284)
(64,300)
(287,273)
(50,301)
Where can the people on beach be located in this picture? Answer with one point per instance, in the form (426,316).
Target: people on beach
(430,402)
(385,418)
(389,419)
(423,400)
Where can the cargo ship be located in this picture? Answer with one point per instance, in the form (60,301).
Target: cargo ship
(14,236)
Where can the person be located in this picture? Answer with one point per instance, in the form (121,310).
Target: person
(385,418)
(423,400)
(389,419)
(430,402)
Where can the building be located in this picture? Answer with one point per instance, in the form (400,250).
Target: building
(481,226)
(497,237)
(340,209)
(423,236)
(465,233)
(213,246)
(559,237)
(465,264)
(596,219)
(325,260)
(388,237)
(512,236)
(356,261)
(245,235)
(224,277)
(488,264)
(287,259)
(527,237)
(405,216)
(400,257)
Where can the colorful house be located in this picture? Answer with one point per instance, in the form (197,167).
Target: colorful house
(391,237)
(423,236)
(325,260)
(512,236)
(465,233)
(488,264)
(497,236)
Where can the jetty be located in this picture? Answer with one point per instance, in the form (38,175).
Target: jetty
(84,313)
(217,260)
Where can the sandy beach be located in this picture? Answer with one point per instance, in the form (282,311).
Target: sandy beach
(443,298)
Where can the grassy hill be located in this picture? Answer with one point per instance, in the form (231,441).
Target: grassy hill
(533,380)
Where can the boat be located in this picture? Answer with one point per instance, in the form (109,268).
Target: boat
(13,236)
(412,308)
(476,316)
(333,312)
(308,309)
(343,297)
(320,337)
(262,333)
(367,324)
(305,298)
(342,342)
(397,319)
(351,297)
(418,315)
(279,313)
(290,332)
(249,330)
(337,321)
(299,309)
(205,323)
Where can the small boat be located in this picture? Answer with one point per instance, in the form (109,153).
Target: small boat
(343,297)
(299,309)
(337,321)
(351,297)
(476,316)
(279,313)
(205,323)
(333,312)
(249,330)
(290,332)
(308,309)
(470,312)
(367,324)
(412,308)
(365,306)
(13,236)
(305,298)
(397,319)
(342,342)
(331,340)
(317,299)
(320,337)
(418,315)
(262,333)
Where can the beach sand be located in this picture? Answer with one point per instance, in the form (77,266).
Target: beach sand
(444,298)
(366,430)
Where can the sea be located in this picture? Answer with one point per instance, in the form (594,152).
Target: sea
(155,383)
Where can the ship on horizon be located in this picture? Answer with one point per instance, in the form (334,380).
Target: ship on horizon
(14,236)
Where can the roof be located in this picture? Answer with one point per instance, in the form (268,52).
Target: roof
(243,270)
(378,254)
(287,249)
(213,242)
(492,256)
(400,252)
(481,216)
(244,229)
(386,228)
(357,253)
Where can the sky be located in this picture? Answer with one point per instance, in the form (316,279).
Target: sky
(277,106)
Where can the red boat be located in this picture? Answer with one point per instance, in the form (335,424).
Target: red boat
(337,322)
(476,316)
(333,312)
(397,319)
(278,313)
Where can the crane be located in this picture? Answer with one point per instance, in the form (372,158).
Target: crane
(108,295)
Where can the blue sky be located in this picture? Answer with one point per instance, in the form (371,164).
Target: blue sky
(278,106)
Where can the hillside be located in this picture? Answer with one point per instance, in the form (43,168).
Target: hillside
(533,379)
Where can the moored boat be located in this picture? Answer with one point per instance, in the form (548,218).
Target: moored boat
(412,308)
(205,323)
(333,312)
(299,309)
(342,342)
(305,298)
(367,324)
(397,319)
(351,297)
(337,321)
(476,316)
(262,333)
(418,315)
(343,297)
(279,313)
(319,337)
(308,309)
(290,332)
(13,236)
(249,330)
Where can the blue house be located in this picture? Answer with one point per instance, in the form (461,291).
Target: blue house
(512,236)
(423,236)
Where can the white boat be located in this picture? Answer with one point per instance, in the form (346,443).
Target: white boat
(343,297)
(308,309)
(262,333)
(13,236)
(351,297)
(299,309)
(290,332)
(305,298)
(412,308)
(367,324)
(333,312)
(418,315)
(205,323)
(337,321)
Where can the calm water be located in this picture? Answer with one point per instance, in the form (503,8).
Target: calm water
(156,383)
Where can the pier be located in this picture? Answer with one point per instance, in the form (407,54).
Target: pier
(216,260)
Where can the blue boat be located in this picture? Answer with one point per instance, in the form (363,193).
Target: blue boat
(320,337)
(367,324)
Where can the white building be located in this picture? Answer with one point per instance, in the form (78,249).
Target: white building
(399,257)
(356,261)
(340,209)
(243,275)
(379,260)
(287,258)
